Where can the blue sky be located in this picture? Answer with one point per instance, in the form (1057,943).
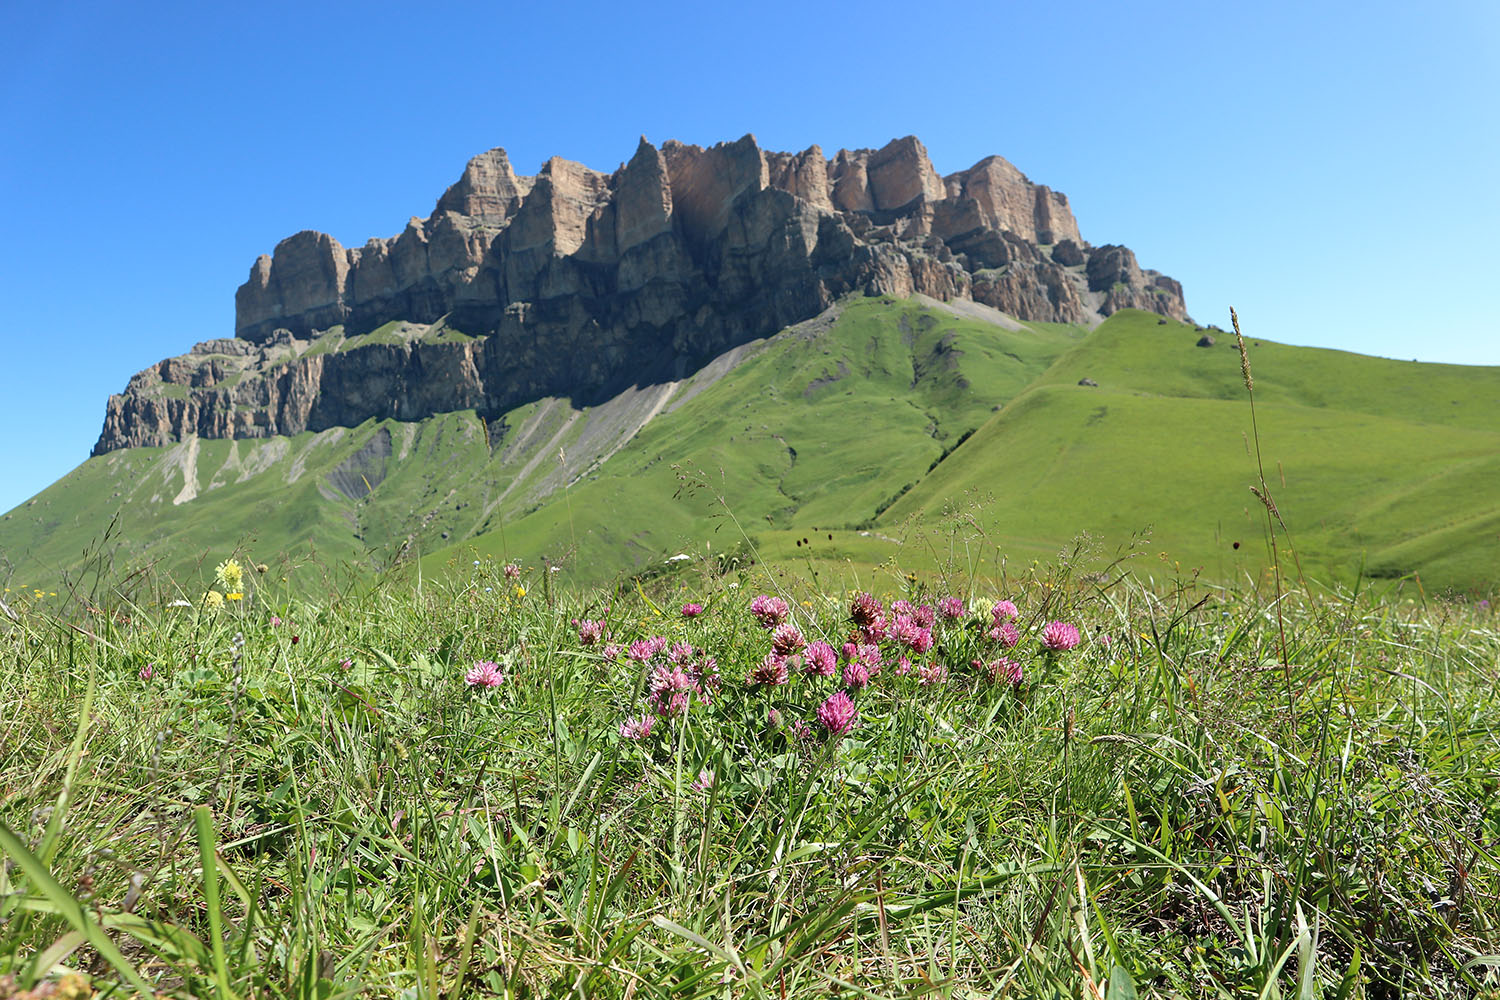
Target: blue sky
(1330,169)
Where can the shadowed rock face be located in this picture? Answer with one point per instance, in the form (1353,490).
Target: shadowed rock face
(579,283)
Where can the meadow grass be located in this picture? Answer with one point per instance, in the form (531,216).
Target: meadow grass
(303,798)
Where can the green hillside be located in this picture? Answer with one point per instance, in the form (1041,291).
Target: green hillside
(825,422)
(1395,463)
(881,429)
(822,429)
(306,500)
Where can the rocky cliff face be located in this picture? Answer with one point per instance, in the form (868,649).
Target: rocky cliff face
(579,283)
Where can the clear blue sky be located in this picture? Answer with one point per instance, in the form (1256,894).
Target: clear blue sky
(1330,169)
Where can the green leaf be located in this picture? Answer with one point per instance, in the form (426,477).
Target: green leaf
(69,908)
(1121,984)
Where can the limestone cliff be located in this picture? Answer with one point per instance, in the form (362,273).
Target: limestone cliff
(579,283)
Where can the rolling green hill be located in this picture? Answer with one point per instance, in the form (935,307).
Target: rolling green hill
(883,426)
(1387,465)
(1393,463)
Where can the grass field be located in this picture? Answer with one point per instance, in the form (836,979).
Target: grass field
(1212,794)
(1379,467)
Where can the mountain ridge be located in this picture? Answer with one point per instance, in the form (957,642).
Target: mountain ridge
(579,283)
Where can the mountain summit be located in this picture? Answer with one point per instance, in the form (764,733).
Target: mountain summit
(578,283)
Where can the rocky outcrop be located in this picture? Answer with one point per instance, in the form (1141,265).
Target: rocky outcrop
(576,282)
(1113,271)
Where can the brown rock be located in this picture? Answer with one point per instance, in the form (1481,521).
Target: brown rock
(850,181)
(1005,200)
(900,173)
(642,198)
(576,283)
(803,174)
(489,191)
(707,182)
(1113,271)
(1067,253)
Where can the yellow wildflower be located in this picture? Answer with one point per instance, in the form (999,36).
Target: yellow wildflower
(520,590)
(234,596)
(213,600)
(231,574)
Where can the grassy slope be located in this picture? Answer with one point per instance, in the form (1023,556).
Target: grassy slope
(264,498)
(816,432)
(782,443)
(1392,461)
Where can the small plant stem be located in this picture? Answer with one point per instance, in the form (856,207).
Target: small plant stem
(1269,504)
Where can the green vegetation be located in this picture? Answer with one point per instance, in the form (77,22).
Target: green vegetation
(1214,794)
(1239,781)
(394,332)
(890,429)
(1382,465)
(814,431)
(327,342)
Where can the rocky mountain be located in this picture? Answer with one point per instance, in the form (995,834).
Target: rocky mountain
(577,283)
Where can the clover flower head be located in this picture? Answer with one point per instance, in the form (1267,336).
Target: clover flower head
(484,674)
(856,674)
(865,610)
(642,650)
(769,611)
(1060,636)
(931,673)
(671,690)
(1000,670)
(787,639)
(770,672)
(820,659)
(589,632)
(637,728)
(1005,634)
(838,714)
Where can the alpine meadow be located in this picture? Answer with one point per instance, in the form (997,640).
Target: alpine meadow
(755,574)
